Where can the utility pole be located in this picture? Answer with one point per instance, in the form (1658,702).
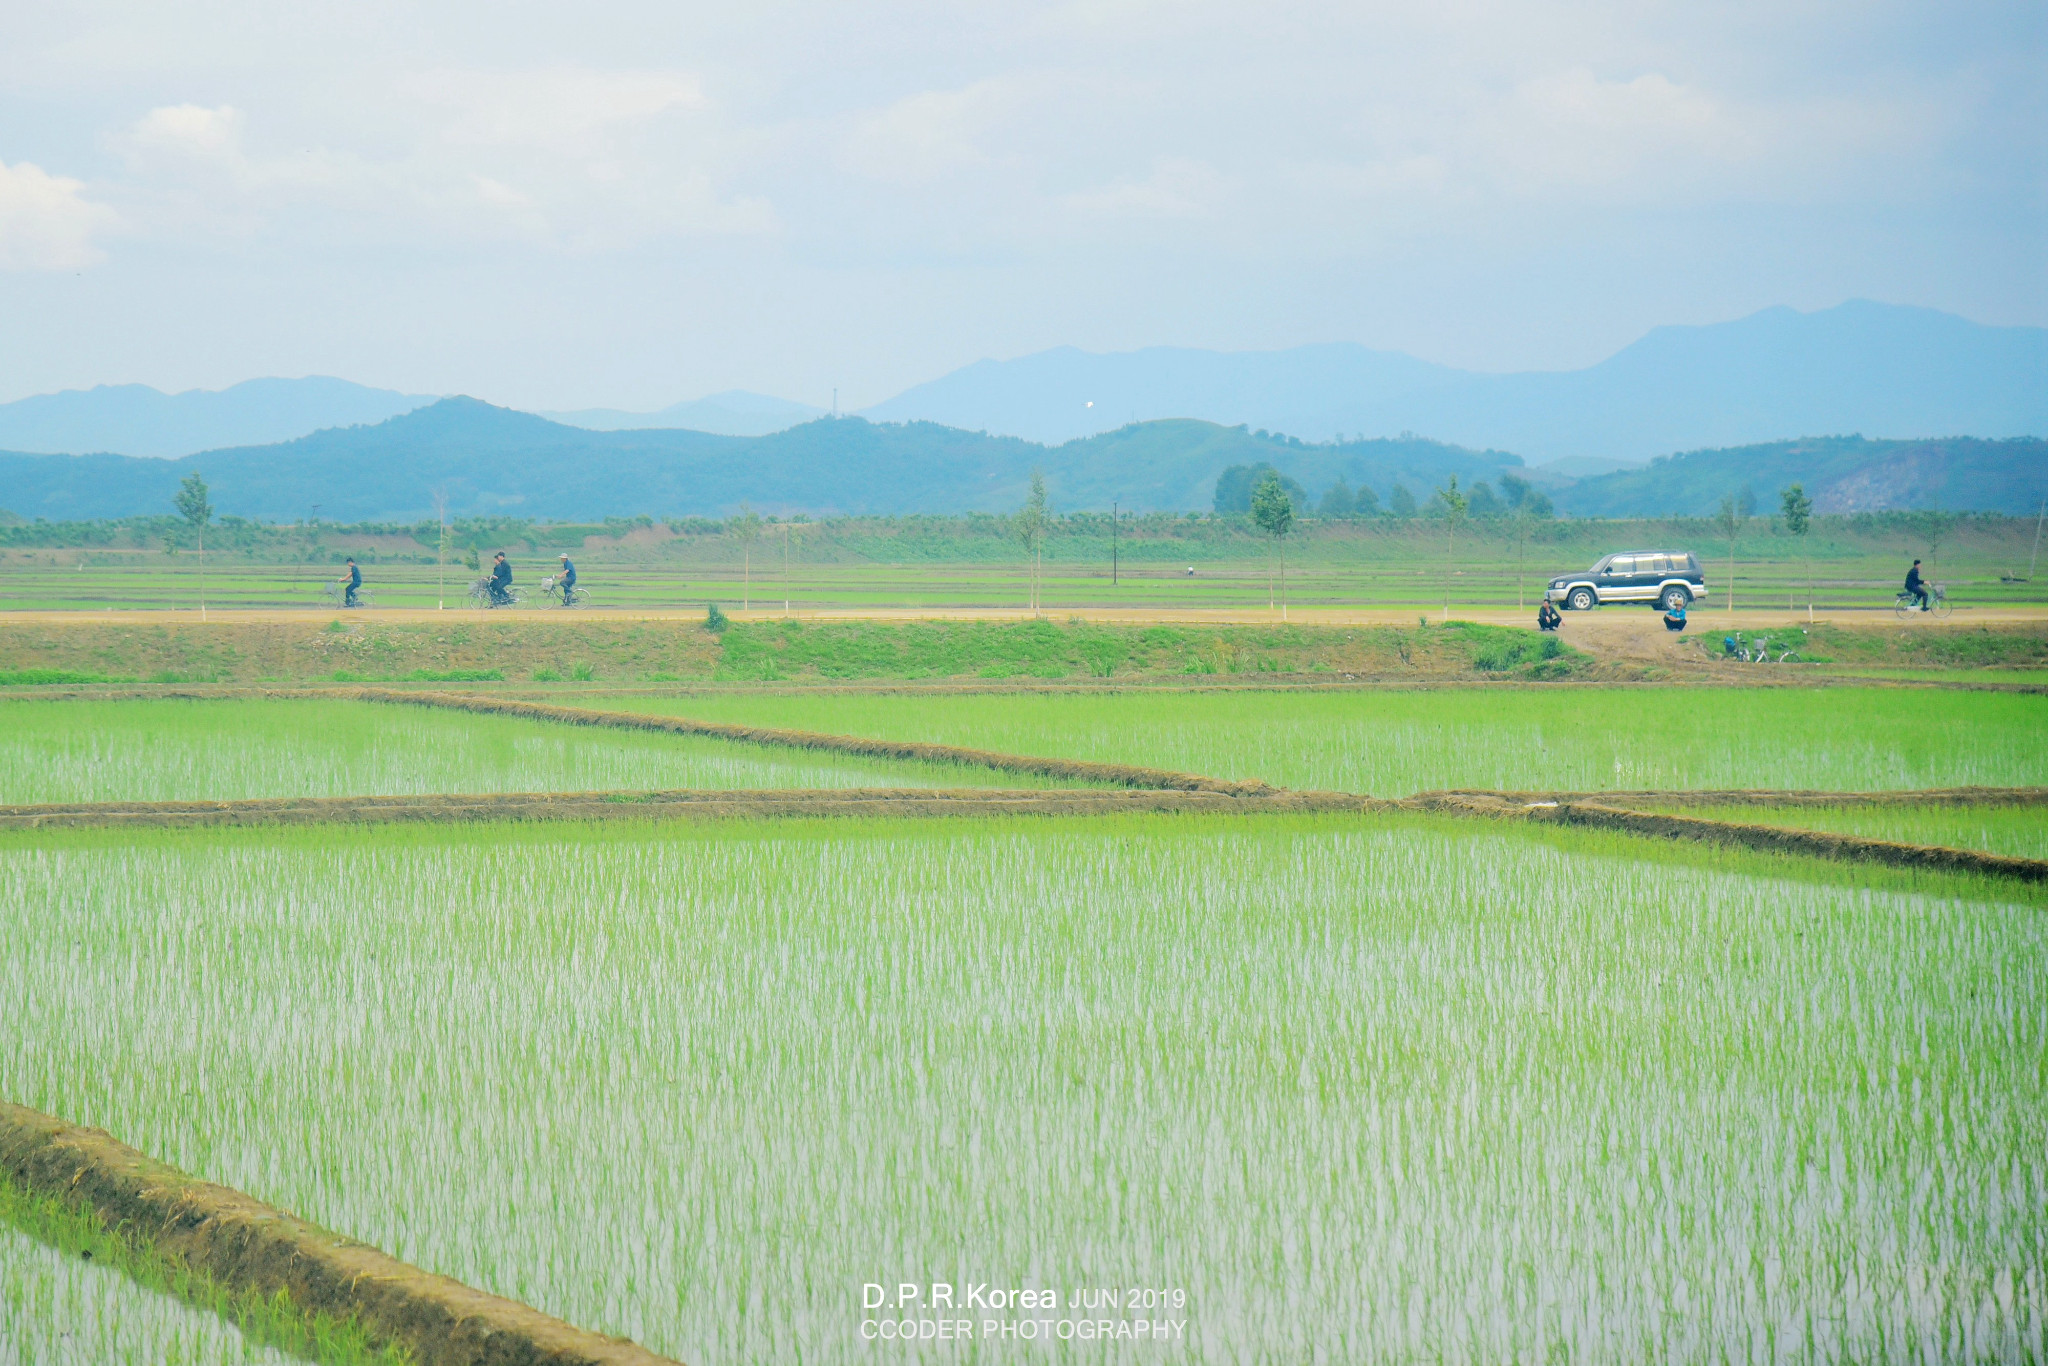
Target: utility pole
(2038,518)
(1112,542)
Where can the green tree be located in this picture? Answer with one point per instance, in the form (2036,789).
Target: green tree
(1032,522)
(1400,502)
(1730,520)
(190,500)
(1337,502)
(1273,513)
(1934,526)
(1455,507)
(1798,510)
(746,527)
(1367,503)
(441,555)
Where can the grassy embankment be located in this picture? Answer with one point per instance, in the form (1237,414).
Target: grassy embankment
(72,1289)
(1191,1050)
(581,650)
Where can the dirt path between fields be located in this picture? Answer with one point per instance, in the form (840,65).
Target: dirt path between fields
(873,803)
(1775,838)
(1788,797)
(1118,775)
(245,1245)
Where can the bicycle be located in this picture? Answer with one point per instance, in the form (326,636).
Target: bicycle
(480,595)
(1938,605)
(336,593)
(559,597)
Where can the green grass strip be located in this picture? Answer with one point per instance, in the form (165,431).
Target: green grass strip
(275,1321)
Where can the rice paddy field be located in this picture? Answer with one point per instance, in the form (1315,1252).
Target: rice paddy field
(1358,1087)
(1393,1088)
(1392,744)
(174,749)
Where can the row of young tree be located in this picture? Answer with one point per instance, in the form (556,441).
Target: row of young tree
(1516,496)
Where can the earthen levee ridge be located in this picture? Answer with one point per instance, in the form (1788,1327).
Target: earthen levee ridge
(245,1245)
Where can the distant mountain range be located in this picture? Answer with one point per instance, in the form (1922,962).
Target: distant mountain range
(1861,367)
(1876,369)
(135,419)
(732,413)
(1840,474)
(494,461)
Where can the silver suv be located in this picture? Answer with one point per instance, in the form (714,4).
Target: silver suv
(1668,578)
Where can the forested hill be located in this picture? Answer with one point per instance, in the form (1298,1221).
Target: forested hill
(492,460)
(1840,474)
(495,461)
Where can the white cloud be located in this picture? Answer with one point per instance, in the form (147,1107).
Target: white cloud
(190,130)
(1178,187)
(571,111)
(931,134)
(575,157)
(46,223)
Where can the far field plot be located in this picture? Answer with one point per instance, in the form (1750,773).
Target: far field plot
(1366,1088)
(176,750)
(1391,744)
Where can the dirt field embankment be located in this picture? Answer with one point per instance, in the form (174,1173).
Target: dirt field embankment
(874,803)
(1077,770)
(244,1244)
(1770,797)
(1775,838)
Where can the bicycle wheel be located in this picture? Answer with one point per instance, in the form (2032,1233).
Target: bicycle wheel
(1941,607)
(1904,607)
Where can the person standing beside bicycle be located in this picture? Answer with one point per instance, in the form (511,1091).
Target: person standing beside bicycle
(1916,587)
(351,584)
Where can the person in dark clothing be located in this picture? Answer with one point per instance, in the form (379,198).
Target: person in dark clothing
(566,581)
(501,580)
(1917,586)
(1548,618)
(355,581)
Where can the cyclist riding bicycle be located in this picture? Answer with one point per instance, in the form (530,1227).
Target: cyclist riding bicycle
(355,581)
(1916,587)
(501,579)
(566,581)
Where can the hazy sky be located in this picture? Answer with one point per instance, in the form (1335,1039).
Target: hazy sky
(558,205)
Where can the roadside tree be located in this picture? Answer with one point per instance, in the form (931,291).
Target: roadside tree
(1730,520)
(1798,510)
(1454,507)
(1273,513)
(191,503)
(1032,522)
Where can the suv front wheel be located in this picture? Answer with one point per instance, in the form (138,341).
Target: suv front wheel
(1674,598)
(1581,599)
